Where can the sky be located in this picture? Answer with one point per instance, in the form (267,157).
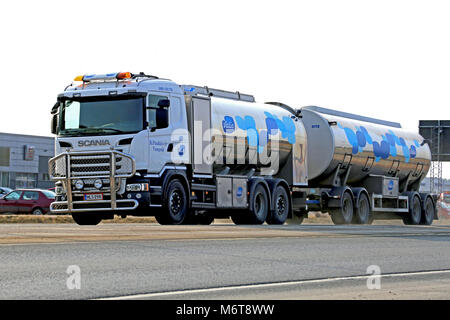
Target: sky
(382,59)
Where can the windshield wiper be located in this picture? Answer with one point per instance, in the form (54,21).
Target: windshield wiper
(96,129)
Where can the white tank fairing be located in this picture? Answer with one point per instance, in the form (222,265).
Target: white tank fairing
(371,146)
(254,127)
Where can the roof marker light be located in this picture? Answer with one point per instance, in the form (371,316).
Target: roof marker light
(104,77)
(123,75)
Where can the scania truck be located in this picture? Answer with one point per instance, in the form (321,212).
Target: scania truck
(135,144)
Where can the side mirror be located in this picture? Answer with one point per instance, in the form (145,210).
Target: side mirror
(164,103)
(54,124)
(162,118)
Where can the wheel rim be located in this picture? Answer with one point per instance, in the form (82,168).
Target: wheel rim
(176,202)
(37,212)
(281,205)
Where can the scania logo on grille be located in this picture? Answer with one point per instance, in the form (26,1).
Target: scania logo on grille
(92,143)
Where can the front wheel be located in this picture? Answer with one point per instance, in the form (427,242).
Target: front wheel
(175,206)
(86,219)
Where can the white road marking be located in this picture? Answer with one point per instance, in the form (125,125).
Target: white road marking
(269,285)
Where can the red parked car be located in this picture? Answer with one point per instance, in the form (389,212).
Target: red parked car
(23,201)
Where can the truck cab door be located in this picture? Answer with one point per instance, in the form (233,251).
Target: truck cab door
(167,145)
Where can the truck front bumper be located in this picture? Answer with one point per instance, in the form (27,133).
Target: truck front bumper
(110,166)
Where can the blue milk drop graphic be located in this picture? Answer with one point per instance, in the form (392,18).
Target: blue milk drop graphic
(382,148)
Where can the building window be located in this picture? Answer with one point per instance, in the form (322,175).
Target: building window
(26,180)
(4,156)
(43,164)
(4,179)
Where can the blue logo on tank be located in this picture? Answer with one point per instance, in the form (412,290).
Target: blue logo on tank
(228,124)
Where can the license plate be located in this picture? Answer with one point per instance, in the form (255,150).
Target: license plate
(93,196)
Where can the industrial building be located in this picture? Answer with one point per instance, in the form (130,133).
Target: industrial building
(24,161)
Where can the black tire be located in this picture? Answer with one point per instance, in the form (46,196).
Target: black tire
(415,212)
(86,218)
(362,212)
(37,212)
(175,208)
(281,207)
(260,205)
(344,214)
(427,212)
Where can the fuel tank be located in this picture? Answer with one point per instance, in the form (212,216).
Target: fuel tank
(370,146)
(248,131)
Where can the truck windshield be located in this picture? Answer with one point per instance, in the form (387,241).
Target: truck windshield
(95,116)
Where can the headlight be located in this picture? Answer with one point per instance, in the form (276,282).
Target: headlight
(98,183)
(59,190)
(79,184)
(137,187)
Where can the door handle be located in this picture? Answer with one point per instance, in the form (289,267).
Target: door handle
(170,147)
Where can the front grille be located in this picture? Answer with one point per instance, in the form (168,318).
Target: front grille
(91,165)
(94,165)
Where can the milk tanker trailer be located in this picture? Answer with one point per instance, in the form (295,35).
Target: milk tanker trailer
(133,144)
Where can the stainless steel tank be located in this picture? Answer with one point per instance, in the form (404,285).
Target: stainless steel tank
(252,128)
(370,145)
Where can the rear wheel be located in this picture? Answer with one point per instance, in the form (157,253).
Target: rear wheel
(344,214)
(427,212)
(260,207)
(86,218)
(259,204)
(37,211)
(362,212)
(413,216)
(282,207)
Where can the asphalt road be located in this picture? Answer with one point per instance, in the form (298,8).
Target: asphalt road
(148,261)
